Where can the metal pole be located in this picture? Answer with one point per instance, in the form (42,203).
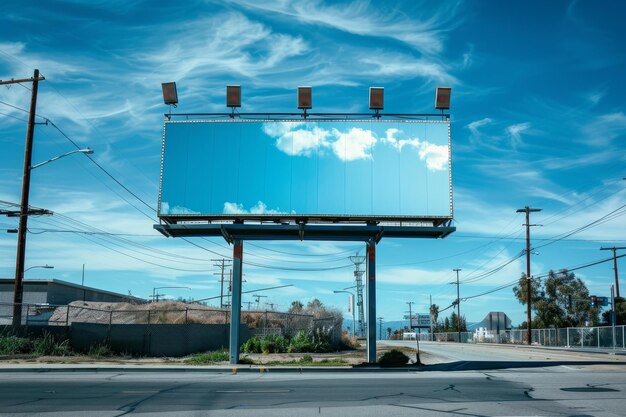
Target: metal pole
(430,297)
(353,318)
(613,315)
(458,304)
(410,303)
(371,301)
(23,224)
(235,305)
(82,282)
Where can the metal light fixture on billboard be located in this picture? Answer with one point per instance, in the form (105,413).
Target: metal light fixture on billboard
(442,98)
(170,96)
(233,96)
(377,99)
(305,98)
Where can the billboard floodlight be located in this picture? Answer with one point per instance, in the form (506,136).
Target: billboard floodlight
(233,96)
(442,98)
(377,96)
(170,96)
(305,98)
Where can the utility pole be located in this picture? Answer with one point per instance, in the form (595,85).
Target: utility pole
(380,327)
(82,282)
(222,264)
(410,303)
(248,302)
(458,304)
(528,210)
(358,276)
(258,299)
(615,249)
(271,305)
(18,292)
(430,306)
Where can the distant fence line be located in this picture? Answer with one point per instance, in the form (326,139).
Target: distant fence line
(569,337)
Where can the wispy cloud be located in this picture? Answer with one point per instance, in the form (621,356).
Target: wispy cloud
(515,133)
(604,129)
(423,33)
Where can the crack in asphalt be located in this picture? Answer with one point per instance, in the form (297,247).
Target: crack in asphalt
(132,406)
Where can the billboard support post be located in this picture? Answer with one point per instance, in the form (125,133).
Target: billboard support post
(371,301)
(235,306)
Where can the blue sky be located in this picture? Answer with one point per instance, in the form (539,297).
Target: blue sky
(537,116)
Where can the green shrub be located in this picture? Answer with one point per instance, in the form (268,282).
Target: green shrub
(100,351)
(273,344)
(208,358)
(301,342)
(252,345)
(48,346)
(393,358)
(13,345)
(306,359)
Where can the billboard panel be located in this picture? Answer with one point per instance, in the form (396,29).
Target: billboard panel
(322,169)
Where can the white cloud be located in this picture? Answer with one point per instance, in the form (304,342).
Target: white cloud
(604,129)
(259,208)
(515,133)
(436,156)
(166,209)
(475,125)
(359,18)
(293,141)
(355,144)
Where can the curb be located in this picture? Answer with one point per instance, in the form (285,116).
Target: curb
(233,370)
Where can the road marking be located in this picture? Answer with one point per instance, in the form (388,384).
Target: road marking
(274,391)
(139,392)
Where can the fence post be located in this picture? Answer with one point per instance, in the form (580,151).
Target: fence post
(582,337)
(109,330)
(149,313)
(186,311)
(27,312)
(67,315)
(568,345)
(598,331)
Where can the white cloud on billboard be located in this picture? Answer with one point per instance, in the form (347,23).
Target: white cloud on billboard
(259,208)
(435,156)
(165,209)
(355,144)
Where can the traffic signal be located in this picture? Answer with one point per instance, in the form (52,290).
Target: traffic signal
(594,301)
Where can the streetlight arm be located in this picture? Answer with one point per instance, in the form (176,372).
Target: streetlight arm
(40,266)
(85,151)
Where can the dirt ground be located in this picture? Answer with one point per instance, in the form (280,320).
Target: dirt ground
(354,357)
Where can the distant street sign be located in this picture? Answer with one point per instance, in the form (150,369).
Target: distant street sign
(421,321)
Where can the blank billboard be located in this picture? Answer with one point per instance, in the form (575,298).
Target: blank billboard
(335,169)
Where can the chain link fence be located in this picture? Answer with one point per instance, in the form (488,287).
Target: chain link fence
(261,323)
(604,337)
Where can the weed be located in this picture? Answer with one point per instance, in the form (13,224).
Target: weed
(208,358)
(13,345)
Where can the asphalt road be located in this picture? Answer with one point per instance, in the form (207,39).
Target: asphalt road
(485,356)
(544,383)
(556,391)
